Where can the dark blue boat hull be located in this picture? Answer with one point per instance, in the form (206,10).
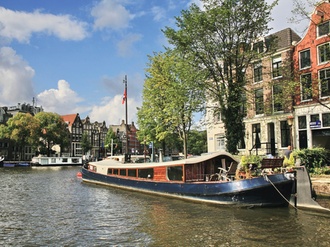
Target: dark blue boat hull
(247,192)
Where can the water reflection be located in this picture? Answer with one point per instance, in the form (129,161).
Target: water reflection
(51,207)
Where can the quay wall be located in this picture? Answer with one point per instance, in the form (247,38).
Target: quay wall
(321,185)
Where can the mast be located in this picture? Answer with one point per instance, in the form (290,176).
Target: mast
(126,125)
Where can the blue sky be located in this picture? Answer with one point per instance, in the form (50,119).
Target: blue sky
(72,56)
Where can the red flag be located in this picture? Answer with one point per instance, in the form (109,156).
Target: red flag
(124,97)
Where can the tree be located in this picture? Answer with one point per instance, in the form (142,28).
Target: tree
(221,40)
(23,129)
(302,9)
(85,143)
(112,139)
(53,130)
(197,143)
(170,97)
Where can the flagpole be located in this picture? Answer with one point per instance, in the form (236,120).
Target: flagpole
(126,124)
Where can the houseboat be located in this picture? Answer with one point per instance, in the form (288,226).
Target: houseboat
(56,161)
(211,178)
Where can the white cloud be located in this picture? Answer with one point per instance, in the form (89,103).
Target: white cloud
(125,45)
(16,75)
(112,111)
(158,12)
(110,14)
(62,100)
(21,25)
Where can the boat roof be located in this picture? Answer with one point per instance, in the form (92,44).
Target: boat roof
(196,159)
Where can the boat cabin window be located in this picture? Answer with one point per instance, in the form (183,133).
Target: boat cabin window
(92,168)
(146,173)
(53,160)
(109,170)
(132,172)
(174,173)
(75,160)
(64,160)
(122,172)
(115,171)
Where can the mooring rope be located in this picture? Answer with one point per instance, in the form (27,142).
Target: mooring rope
(267,179)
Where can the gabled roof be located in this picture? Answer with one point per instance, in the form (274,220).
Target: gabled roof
(69,119)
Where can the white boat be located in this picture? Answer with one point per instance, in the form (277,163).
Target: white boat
(56,161)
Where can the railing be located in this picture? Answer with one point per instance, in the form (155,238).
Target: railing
(270,148)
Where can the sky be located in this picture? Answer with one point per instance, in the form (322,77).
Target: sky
(73,56)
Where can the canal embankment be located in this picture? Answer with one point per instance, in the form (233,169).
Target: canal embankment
(321,185)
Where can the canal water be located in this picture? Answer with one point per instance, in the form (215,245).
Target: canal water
(52,207)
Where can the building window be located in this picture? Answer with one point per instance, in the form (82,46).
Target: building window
(256,136)
(324,76)
(217,116)
(302,123)
(276,65)
(259,101)
(315,117)
(241,143)
(277,98)
(306,86)
(243,107)
(323,29)
(258,47)
(324,53)
(220,143)
(326,119)
(285,134)
(304,59)
(257,71)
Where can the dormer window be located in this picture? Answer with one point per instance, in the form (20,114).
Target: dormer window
(258,47)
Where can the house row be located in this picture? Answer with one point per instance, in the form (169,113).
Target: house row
(274,118)
(96,133)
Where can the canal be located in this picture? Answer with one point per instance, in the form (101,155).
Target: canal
(52,207)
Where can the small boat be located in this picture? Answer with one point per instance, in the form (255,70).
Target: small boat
(196,179)
(56,161)
(4,163)
(1,161)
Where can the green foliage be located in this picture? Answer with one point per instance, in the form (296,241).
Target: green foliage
(322,171)
(23,129)
(315,159)
(171,95)
(85,143)
(117,144)
(53,130)
(197,142)
(218,42)
(246,160)
(4,131)
(289,162)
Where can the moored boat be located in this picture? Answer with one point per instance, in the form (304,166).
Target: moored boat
(56,161)
(4,163)
(195,179)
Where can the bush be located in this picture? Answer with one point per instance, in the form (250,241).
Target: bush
(250,159)
(316,160)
